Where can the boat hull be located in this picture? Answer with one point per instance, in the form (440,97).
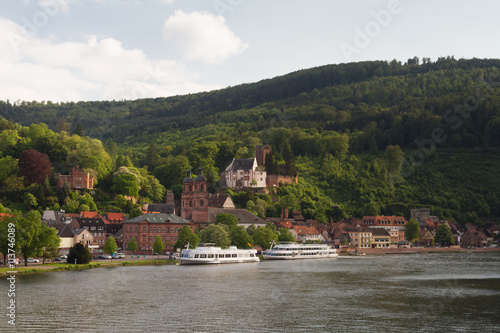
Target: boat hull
(192,261)
(298,257)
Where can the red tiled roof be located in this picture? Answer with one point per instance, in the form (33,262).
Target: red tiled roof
(286,224)
(90,215)
(115,217)
(384,220)
(304,230)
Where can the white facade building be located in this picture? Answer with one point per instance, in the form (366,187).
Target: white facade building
(244,173)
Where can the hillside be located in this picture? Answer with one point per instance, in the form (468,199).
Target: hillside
(331,124)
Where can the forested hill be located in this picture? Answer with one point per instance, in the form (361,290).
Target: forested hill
(404,101)
(340,126)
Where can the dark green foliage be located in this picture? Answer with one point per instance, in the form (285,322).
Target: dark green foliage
(80,254)
(443,235)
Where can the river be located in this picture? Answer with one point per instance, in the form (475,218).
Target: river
(387,293)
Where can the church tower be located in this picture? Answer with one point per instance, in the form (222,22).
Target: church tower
(195,197)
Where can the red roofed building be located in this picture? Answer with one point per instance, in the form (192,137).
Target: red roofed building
(306,234)
(395,225)
(115,218)
(90,215)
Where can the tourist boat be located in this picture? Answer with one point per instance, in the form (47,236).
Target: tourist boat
(290,250)
(208,253)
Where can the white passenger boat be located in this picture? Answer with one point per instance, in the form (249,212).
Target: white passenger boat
(300,251)
(210,254)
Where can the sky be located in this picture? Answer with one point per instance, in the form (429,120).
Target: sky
(93,50)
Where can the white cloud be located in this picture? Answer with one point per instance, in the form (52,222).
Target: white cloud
(97,69)
(202,36)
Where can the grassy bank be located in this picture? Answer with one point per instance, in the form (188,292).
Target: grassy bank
(52,267)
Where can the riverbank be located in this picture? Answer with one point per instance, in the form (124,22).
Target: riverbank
(416,250)
(55,267)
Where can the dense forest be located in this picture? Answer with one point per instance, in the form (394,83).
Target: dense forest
(365,138)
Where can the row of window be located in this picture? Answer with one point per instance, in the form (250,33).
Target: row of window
(93,228)
(154,229)
(172,238)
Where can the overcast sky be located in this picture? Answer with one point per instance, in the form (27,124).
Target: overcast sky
(72,50)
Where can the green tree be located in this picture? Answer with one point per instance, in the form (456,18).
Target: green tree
(110,247)
(186,235)
(126,184)
(251,229)
(411,230)
(264,236)
(35,235)
(135,212)
(79,255)
(443,235)
(50,253)
(240,237)
(394,157)
(158,246)
(284,235)
(217,234)
(132,245)
(8,227)
(227,219)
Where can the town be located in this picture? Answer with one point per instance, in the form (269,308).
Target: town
(198,209)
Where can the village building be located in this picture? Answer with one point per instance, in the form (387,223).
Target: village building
(96,227)
(395,225)
(115,218)
(71,236)
(77,179)
(474,237)
(381,239)
(245,218)
(306,234)
(359,237)
(146,227)
(425,237)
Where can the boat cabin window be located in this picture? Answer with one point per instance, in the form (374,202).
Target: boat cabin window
(234,255)
(196,255)
(203,255)
(211,255)
(252,254)
(228,255)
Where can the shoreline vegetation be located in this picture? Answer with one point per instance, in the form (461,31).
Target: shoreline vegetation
(57,267)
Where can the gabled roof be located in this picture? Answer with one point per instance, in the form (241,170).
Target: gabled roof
(243,215)
(384,220)
(90,214)
(115,217)
(245,164)
(64,230)
(379,232)
(305,230)
(157,218)
(165,208)
(82,221)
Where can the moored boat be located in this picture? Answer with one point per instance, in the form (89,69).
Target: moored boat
(210,254)
(290,250)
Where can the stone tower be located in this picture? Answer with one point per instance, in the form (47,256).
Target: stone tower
(194,200)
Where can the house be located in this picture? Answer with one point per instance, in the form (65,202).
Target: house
(244,173)
(96,226)
(56,216)
(474,237)
(395,225)
(359,237)
(70,236)
(380,238)
(146,227)
(77,179)
(90,215)
(306,233)
(425,237)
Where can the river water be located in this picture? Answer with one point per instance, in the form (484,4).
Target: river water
(390,293)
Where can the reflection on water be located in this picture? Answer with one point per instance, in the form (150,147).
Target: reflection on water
(428,292)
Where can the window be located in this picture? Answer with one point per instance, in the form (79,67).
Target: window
(154,229)
(201,203)
(176,229)
(150,238)
(163,238)
(163,229)
(143,238)
(143,229)
(92,228)
(171,238)
(190,203)
(150,229)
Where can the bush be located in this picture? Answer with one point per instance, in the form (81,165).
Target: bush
(79,253)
